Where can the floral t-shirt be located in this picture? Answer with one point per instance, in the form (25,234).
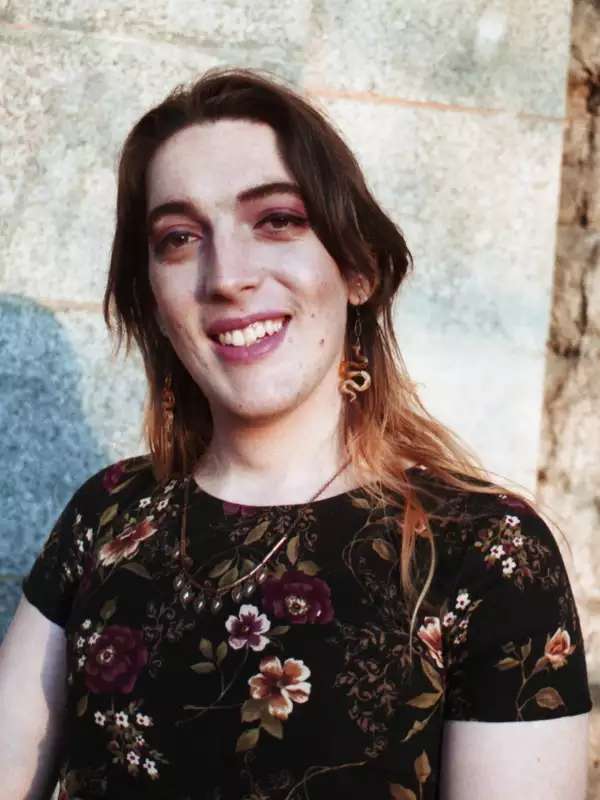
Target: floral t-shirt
(302,688)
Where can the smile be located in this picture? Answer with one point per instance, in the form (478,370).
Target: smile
(248,343)
(244,337)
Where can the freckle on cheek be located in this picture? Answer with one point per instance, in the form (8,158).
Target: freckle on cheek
(321,342)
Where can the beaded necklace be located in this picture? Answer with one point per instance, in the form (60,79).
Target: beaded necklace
(199,595)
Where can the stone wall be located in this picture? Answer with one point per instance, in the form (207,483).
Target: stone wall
(456,111)
(569,475)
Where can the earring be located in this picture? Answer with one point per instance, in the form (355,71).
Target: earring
(354,375)
(166,428)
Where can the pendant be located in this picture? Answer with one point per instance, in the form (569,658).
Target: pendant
(179,582)
(216,605)
(199,604)
(236,594)
(186,595)
(249,588)
(261,575)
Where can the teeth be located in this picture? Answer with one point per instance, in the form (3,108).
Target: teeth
(243,337)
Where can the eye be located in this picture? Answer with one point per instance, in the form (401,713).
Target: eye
(280,222)
(174,240)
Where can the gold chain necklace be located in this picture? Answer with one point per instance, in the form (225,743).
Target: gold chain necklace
(191,591)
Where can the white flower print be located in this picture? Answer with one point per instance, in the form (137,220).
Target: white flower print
(163,504)
(80,545)
(502,496)
(77,519)
(140,741)
(122,719)
(170,486)
(133,758)
(145,501)
(80,642)
(508,566)
(86,624)
(143,720)
(248,628)
(150,767)
(462,599)
(81,662)
(497,551)
(518,541)
(99,718)
(449,619)
(463,623)
(79,569)
(89,534)
(512,522)
(93,638)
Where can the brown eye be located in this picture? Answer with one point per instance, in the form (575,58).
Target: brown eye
(280,222)
(173,240)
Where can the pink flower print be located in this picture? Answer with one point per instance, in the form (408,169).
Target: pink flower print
(126,543)
(248,628)
(113,475)
(515,504)
(115,660)
(558,648)
(229,509)
(298,598)
(431,633)
(280,686)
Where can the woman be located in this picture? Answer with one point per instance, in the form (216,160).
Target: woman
(308,589)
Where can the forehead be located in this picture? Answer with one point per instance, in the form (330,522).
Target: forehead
(212,161)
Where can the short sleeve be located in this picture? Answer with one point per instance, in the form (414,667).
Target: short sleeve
(66,558)
(511,633)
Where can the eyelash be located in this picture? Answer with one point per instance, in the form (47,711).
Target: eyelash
(295,220)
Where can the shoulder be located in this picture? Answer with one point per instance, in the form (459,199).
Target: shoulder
(117,483)
(466,521)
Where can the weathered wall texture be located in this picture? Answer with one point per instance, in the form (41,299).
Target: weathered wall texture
(456,110)
(569,476)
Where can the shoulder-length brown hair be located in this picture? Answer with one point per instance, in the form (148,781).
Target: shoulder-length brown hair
(387,425)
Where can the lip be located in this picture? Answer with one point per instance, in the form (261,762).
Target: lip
(233,323)
(252,352)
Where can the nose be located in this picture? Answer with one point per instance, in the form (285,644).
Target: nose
(230,269)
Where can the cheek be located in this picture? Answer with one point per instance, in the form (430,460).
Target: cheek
(174,291)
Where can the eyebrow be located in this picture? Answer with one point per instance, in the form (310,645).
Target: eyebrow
(253,193)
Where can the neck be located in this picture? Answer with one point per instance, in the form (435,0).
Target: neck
(285,459)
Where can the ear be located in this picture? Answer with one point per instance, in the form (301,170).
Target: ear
(359,289)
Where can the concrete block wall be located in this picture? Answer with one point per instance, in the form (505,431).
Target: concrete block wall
(457,113)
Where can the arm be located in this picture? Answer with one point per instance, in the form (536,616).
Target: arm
(32,699)
(495,760)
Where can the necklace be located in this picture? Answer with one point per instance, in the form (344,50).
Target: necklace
(199,595)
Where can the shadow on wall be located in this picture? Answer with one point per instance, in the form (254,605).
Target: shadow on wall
(47,447)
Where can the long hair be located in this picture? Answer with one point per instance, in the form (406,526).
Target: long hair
(386,425)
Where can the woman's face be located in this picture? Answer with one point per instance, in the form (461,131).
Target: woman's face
(251,301)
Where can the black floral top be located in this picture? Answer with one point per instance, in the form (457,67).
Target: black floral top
(302,688)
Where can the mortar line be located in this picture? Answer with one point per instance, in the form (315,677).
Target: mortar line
(360,96)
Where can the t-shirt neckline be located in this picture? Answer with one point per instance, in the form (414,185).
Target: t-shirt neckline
(230,506)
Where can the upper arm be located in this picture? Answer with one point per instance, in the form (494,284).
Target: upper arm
(517,693)
(32,698)
(543,758)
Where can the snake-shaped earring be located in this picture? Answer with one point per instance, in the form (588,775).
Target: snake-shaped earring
(354,374)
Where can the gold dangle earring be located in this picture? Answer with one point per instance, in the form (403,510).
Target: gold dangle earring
(166,428)
(354,374)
